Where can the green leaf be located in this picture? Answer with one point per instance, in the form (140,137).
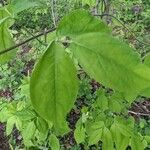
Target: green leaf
(10,124)
(121,141)
(112,63)
(6,39)
(79,22)
(94,131)
(54,87)
(18,123)
(54,142)
(116,103)
(107,140)
(42,125)
(138,143)
(79,133)
(101,101)
(29,131)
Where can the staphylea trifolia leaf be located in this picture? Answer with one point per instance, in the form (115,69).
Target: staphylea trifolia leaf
(111,62)
(80,22)
(54,86)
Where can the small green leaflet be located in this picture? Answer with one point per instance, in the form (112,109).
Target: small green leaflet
(28,133)
(121,141)
(138,142)
(101,101)
(79,132)
(54,142)
(107,140)
(54,86)
(94,131)
(42,125)
(116,103)
(10,124)
(80,22)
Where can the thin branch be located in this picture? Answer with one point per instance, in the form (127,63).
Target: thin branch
(139,114)
(124,27)
(26,41)
(33,36)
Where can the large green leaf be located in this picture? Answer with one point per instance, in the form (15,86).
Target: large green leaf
(111,62)
(54,86)
(79,22)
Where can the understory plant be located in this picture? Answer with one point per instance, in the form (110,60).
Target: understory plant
(85,42)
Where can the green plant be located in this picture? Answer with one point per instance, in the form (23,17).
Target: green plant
(54,83)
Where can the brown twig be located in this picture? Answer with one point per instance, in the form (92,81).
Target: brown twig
(138,114)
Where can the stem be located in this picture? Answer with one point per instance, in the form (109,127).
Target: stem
(139,114)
